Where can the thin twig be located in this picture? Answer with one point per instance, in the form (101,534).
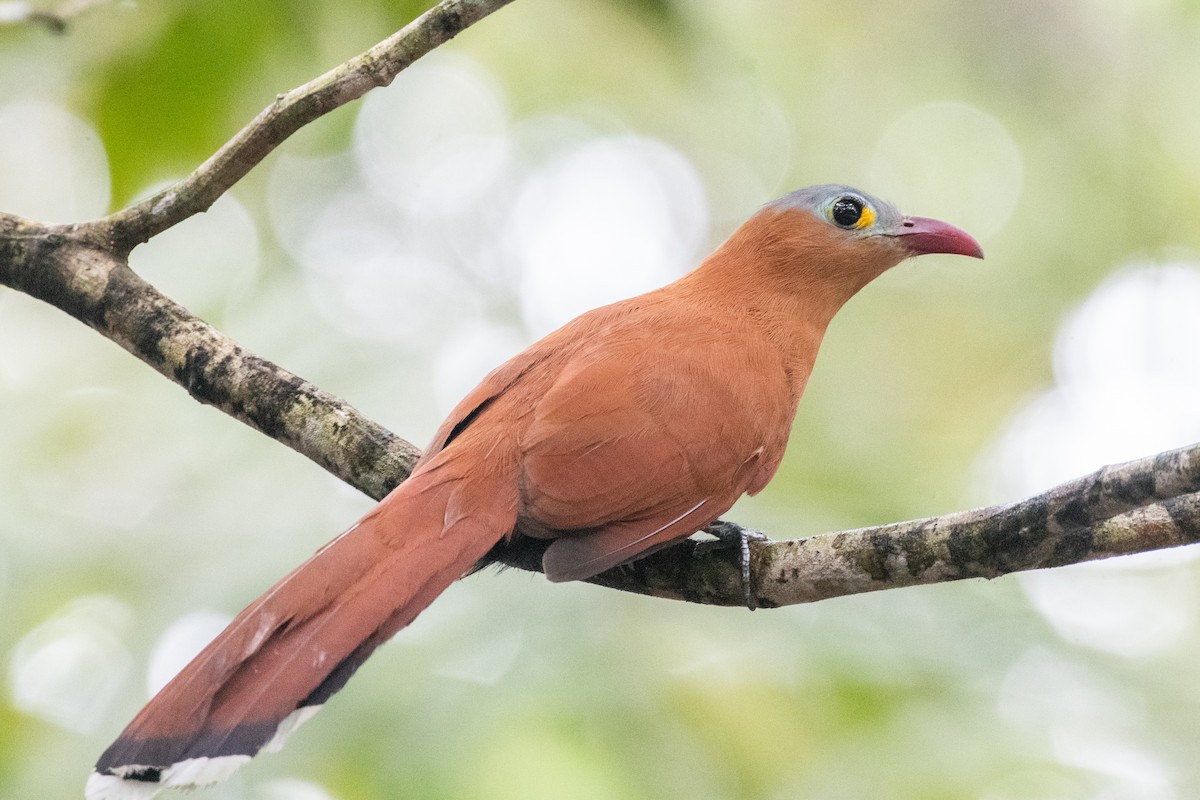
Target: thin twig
(290,112)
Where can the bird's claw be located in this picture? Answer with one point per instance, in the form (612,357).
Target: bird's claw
(730,534)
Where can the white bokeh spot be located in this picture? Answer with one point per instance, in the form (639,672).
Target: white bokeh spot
(69,669)
(488,660)
(389,246)
(467,356)
(953,161)
(86,482)
(53,167)
(1124,606)
(603,221)
(1127,375)
(180,643)
(292,789)
(1085,724)
(208,260)
(370,280)
(437,139)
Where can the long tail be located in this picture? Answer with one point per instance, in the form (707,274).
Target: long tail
(282,657)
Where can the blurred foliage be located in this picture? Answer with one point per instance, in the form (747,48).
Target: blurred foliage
(120,491)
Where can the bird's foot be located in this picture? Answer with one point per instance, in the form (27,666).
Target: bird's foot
(730,534)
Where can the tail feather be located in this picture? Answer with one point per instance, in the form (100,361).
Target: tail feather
(298,644)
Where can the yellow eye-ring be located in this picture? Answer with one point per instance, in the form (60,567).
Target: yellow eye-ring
(851,212)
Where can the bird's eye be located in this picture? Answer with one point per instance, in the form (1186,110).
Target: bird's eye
(847,211)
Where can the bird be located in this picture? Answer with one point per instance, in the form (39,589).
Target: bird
(631,427)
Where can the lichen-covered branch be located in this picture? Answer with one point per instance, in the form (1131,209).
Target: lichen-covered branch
(67,267)
(290,112)
(1150,504)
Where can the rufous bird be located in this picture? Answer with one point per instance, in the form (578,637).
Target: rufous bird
(631,427)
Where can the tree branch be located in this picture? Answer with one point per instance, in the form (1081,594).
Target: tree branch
(1149,504)
(83,270)
(67,267)
(290,112)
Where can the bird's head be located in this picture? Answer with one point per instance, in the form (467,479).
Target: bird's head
(850,225)
(822,244)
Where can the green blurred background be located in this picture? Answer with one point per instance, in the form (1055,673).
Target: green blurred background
(554,157)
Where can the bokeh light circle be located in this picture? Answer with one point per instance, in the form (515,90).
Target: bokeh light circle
(435,141)
(953,161)
(1127,372)
(603,221)
(53,167)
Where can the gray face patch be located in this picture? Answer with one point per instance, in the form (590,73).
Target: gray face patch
(820,200)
